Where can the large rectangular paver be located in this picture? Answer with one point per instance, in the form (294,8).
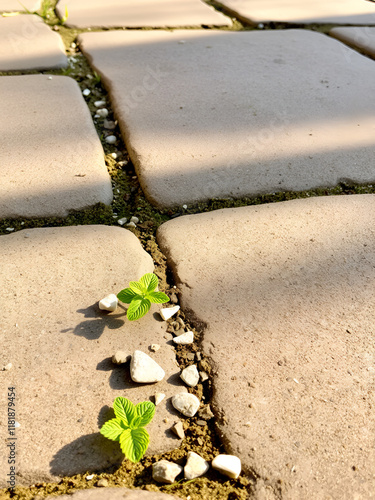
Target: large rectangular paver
(26,43)
(51,159)
(140,13)
(305,12)
(16,5)
(60,346)
(285,294)
(208,114)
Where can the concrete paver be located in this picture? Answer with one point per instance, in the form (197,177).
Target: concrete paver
(361,38)
(140,13)
(307,12)
(15,5)
(51,159)
(60,345)
(26,43)
(116,494)
(285,293)
(208,114)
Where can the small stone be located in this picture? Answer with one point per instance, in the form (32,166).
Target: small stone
(86,92)
(102,483)
(109,125)
(168,312)
(178,429)
(159,396)
(7,367)
(103,113)
(190,375)
(190,356)
(195,466)
(229,465)
(144,369)
(91,476)
(99,104)
(50,78)
(184,207)
(131,224)
(111,139)
(185,338)
(186,403)
(204,376)
(206,413)
(109,303)
(122,221)
(155,347)
(114,155)
(202,423)
(120,357)
(165,472)
(10,229)
(134,219)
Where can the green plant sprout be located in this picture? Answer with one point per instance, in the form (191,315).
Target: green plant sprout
(140,295)
(64,18)
(128,427)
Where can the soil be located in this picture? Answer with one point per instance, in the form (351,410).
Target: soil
(129,200)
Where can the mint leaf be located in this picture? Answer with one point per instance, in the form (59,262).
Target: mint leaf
(157,297)
(145,412)
(149,281)
(126,295)
(112,429)
(138,308)
(124,410)
(138,287)
(134,443)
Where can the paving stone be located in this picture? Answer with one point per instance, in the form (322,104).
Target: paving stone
(116,494)
(15,5)
(26,43)
(236,114)
(140,13)
(60,345)
(51,159)
(361,38)
(309,11)
(287,294)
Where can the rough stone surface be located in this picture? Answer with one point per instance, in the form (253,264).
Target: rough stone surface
(26,43)
(236,114)
(187,404)
(196,466)
(116,494)
(293,283)
(308,11)
(144,369)
(184,339)
(140,13)
(229,465)
(15,5)
(51,158)
(165,472)
(362,38)
(60,345)
(190,375)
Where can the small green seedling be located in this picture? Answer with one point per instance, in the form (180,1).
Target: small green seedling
(140,294)
(128,427)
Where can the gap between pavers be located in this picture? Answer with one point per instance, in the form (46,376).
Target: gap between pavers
(116,494)
(286,294)
(214,114)
(51,159)
(306,12)
(60,345)
(15,5)
(27,43)
(361,38)
(140,13)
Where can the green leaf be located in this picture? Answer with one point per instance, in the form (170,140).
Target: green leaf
(112,429)
(127,295)
(124,410)
(145,412)
(137,287)
(137,309)
(157,297)
(149,281)
(134,443)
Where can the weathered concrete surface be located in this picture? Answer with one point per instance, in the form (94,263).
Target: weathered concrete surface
(221,114)
(306,12)
(15,5)
(26,43)
(140,13)
(116,494)
(60,345)
(51,159)
(361,38)
(287,294)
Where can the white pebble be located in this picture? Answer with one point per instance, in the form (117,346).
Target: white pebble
(165,472)
(50,78)
(98,104)
(91,476)
(114,156)
(195,466)
(229,465)
(111,139)
(190,375)
(159,396)
(134,219)
(131,224)
(122,221)
(186,403)
(86,92)
(109,303)
(184,207)
(122,163)
(144,369)
(120,357)
(103,113)
(204,376)
(184,339)
(155,347)
(10,229)
(181,41)
(7,367)
(178,429)
(168,312)
(73,45)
